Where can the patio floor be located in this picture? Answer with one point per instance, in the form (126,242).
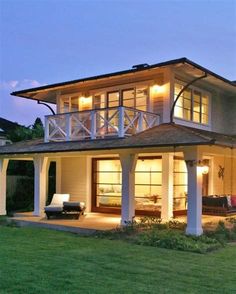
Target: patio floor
(90,222)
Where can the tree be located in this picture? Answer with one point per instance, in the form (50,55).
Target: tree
(22,133)
(37,129)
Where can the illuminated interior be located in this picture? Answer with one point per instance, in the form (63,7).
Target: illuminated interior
(180,185)
(85,103)
(133,97)
(148,183)
(192,105)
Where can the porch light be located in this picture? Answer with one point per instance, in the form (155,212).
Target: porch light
(204,167)
(156,89)
(85,102)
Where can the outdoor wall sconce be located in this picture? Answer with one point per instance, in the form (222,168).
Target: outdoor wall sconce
(202,164)
(157,88)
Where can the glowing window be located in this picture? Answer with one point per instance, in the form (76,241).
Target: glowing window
(192,105)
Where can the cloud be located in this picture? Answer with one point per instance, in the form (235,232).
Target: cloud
(23,111)
(19,85)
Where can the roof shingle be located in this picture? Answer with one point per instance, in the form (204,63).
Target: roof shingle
(164,135)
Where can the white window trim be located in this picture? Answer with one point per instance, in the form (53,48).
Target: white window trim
(100,91)
(191,123)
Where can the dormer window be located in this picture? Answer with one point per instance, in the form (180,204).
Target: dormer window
(192,105)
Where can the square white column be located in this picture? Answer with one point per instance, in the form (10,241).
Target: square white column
(40,184)
(167,186)
(128,163)
(194,212)
(3,185)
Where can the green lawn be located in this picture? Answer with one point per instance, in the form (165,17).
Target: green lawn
(43,261)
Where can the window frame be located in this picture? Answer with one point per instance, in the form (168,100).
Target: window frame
(106,91)
(203,93)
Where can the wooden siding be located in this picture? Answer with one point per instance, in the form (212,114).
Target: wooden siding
(74,179)
(227,185)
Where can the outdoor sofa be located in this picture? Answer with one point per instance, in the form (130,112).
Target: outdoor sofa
(222,205)
(61,206)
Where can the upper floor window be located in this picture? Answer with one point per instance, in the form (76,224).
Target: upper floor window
(192,105)
(136,97)
(75,103)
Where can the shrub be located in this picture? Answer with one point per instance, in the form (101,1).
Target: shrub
(222,233)
(172,239)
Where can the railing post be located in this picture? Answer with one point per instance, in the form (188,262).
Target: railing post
(121,123)
(140,122)
(93,124)
(46,130)
(68,127)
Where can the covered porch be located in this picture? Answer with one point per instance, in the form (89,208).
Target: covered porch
(93,222)
(75,173)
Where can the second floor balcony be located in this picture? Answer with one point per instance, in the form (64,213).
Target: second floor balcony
(98,123)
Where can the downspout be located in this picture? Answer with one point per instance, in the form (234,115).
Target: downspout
(42,103)
(184,88)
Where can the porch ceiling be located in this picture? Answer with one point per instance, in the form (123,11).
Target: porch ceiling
(164,135)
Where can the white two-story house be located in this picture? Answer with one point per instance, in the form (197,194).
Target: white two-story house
(150,140)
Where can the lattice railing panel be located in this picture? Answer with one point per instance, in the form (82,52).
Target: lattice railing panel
(98,123)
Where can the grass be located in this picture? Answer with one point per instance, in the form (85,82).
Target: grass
(44,261)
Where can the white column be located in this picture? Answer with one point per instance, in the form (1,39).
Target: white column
(68,126)
(58,175)
(128,163)
(3,185)
(46,129)
(121,123)
(40,184)
(88,183)
(168,95)
(93,124)
(194,212)
(167,186)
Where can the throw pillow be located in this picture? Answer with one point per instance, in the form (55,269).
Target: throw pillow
(229,201)
(233,200)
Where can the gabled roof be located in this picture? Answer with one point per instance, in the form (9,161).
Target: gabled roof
(30,93)
(164,135)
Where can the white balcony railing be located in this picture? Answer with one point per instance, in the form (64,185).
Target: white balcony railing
(99,123)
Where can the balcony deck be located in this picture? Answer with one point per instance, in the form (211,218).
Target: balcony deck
(98,123)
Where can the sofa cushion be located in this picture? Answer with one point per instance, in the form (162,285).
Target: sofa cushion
(215,201)
(233,200)
(58,199)
(73,204)
(53,208)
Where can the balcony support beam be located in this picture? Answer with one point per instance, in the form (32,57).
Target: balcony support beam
(194,213)
(40,182)
(128,163)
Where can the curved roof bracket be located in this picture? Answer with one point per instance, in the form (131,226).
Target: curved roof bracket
(184,88)
(45,104)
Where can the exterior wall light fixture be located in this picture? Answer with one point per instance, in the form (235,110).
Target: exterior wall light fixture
(203,165)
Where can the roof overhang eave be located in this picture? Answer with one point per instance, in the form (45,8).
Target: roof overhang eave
(210,143)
